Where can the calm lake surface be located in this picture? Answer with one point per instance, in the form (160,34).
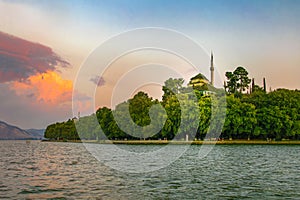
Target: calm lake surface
(47,170)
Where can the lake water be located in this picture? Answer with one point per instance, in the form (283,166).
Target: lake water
(68,171)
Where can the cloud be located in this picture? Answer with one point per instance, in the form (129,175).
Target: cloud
(42,99)
(47,87)
(98,80)
(51,90)
(20,59)
(26,112)
(33,93)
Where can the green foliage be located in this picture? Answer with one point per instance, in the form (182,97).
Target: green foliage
(238,81)
(240,119)
(108,124)
(231,84)
(139,107)
(258,115)
(62,131)
(172,87)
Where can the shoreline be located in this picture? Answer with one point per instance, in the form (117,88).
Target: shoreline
(177,142)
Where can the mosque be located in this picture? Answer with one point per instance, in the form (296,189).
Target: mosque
(201,83)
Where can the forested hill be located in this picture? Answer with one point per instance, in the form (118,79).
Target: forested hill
(9,132)
(251,113)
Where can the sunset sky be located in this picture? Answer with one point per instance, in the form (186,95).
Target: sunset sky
(44,43)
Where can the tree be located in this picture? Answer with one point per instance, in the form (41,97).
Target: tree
(204,105)
(108,124)
(270,123)
(189,119)
(238,81)
(232,121)
(243,79)
(139,107)
(240,119)
(231,84)
(265,86)
(147,114)
(172,108)
(172,87)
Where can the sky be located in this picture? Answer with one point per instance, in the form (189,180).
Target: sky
(44,43)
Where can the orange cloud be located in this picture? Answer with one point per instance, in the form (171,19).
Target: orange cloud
(46,87)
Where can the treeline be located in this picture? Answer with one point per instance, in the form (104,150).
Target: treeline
(251,113)
(62,131)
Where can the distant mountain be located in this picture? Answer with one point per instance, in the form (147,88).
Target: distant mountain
(10,132)
(38,133)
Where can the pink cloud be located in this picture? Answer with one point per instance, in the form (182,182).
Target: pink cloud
(20,59)
(33,93)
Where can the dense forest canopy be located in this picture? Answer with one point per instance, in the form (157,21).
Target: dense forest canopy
(251,113)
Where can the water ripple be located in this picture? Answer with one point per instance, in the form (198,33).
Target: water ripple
(67,171)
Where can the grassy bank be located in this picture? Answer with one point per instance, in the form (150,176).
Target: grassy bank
(223,142)
(164,142)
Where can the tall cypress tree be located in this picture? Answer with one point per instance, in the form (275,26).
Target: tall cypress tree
(265,86)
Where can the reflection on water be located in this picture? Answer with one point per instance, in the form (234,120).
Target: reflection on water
(66,170)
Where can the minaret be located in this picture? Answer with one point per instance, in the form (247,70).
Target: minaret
(212,69)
